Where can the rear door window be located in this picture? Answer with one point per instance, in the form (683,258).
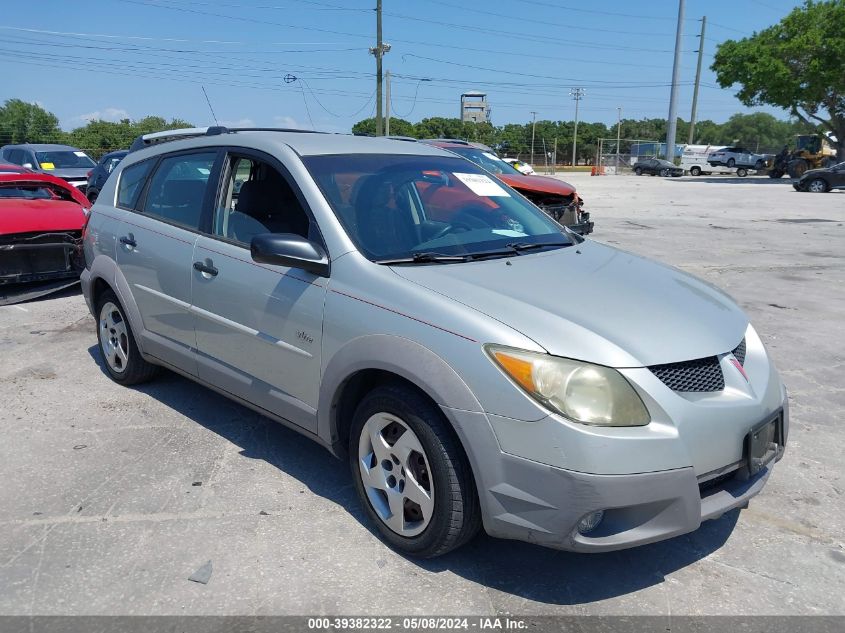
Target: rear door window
(177,188)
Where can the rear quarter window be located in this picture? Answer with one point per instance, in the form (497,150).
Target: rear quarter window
(131,183)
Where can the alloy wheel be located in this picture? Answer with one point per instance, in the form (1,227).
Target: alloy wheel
(394,469)
(114,339)
(817,186)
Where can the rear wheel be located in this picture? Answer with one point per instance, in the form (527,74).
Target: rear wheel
(695,171)
(776,173)
(92,194)
(117,343)
(817,186)
(731,163)
(411,474)
(664,172)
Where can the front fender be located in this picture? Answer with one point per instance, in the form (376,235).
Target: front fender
(400,356)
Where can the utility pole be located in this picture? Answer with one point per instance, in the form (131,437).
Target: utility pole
(387,103)
(533,125)
(697,80)
(618,135)
(577,94)
(673,95)
(379,50)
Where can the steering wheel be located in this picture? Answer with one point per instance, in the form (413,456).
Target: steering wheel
(452,226)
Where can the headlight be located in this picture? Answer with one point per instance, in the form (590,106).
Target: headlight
(583,392)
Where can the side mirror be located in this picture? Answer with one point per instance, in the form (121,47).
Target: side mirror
(27,165)
(287,249)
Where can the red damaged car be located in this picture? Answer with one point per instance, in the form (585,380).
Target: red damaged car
(41,223)
(557,198)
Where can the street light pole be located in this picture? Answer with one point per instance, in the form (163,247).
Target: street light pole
(618,135)
(697,80)
(387,103)
(673,95)
(533,125)
(577,94)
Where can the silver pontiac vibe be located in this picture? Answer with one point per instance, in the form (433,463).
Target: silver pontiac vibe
(415,315)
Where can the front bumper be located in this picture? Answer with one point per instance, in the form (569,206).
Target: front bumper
(526,500)
(543,505)
(27,258)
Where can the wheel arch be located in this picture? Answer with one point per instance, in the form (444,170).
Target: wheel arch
(369,361)
(105,274)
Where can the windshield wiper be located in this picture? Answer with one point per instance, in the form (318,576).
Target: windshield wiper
(526,246)
(424,258)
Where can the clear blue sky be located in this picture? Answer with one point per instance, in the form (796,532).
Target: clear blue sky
(129,58)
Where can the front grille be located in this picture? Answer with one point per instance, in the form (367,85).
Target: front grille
(739,352)
(703,374)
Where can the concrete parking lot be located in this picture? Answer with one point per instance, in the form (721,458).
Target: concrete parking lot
(111,497)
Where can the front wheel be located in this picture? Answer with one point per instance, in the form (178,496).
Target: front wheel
(742,172)
(638,171)
(411,473)
(817,186)
(121,355)
(731,163)
(664,172)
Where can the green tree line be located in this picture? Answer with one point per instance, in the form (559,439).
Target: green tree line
(758,131)
(22,122)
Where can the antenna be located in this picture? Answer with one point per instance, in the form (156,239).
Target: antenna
(208,101)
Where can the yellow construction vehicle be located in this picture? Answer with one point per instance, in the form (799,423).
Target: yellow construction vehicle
(812,151)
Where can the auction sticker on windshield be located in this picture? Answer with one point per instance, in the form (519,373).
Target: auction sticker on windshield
(482,185)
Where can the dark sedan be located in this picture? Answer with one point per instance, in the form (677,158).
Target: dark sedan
(822,180)
(97,177)
(657,167)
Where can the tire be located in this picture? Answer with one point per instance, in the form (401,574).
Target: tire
(817,185)
(742,172)
(664,172)
(448,514)
(797,167)
(92,195)
(638,171)
(776,173)
(695,171)
(119,350)
(731,163)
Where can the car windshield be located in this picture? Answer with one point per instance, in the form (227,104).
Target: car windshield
(64,159)
(402,207)
(27,192)
(488,161)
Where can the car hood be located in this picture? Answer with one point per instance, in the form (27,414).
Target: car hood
(814,172)
(595,303)
(29,216)
(541,184)
(72,174)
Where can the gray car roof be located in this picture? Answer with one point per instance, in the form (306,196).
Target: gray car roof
(304,143)
(42,147)
(314,144)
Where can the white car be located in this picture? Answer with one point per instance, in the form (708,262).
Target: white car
(737,157)
(521,166)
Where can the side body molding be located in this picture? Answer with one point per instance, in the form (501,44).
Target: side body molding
(400,356)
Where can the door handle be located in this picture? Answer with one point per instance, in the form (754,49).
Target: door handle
(207,269)
(128,241)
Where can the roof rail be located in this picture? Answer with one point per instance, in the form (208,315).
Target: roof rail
(153,138)
(164,136)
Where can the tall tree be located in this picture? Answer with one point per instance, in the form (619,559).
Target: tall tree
(22,122)
(796,64)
